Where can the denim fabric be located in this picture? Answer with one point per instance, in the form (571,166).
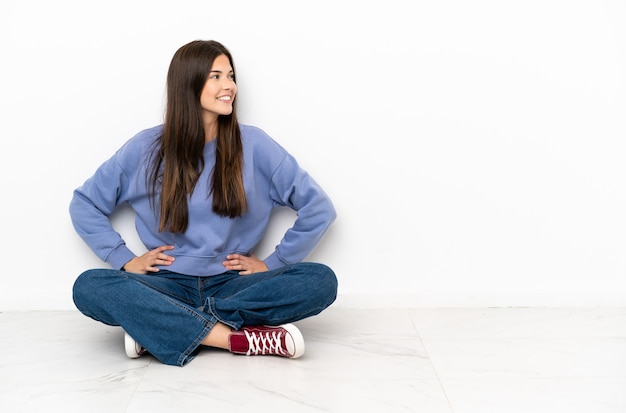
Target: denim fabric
(170,314)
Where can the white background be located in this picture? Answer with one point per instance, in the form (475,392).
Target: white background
(474,149)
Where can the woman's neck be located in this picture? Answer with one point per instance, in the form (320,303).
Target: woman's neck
(210,131)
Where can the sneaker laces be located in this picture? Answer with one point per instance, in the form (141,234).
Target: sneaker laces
(268,342)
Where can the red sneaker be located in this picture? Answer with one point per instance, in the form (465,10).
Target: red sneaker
(284,340)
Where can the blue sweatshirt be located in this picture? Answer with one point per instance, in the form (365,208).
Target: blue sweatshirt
(272,178)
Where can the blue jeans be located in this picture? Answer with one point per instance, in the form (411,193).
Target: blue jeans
(170,314)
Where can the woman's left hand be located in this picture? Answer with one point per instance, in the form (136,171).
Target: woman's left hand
(245,265)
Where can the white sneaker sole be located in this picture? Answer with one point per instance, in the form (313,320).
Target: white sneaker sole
(295,346)
(132,348)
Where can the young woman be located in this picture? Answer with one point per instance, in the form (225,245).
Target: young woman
(203,187)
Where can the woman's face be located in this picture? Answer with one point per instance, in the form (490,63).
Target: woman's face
(218,93)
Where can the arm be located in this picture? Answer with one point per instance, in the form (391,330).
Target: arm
(92,205)
(295,188)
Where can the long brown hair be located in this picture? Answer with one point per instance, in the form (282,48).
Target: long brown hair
(177,159)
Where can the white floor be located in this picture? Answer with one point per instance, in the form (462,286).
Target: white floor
(415,360)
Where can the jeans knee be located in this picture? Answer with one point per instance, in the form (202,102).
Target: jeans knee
(330,279)
(88,285)
(82,288)
(325,281)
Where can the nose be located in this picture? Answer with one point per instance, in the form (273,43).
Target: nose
(228,83)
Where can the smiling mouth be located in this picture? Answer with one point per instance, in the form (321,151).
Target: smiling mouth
(224,98)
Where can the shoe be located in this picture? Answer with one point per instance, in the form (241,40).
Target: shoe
(133,349)
(284,340)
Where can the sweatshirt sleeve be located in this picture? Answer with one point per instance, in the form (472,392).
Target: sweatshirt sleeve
(90,209)
(293,187)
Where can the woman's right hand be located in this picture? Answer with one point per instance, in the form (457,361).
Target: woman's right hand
(146,262)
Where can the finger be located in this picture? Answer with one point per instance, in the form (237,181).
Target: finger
(165,258)
(163,248)
(161,261)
